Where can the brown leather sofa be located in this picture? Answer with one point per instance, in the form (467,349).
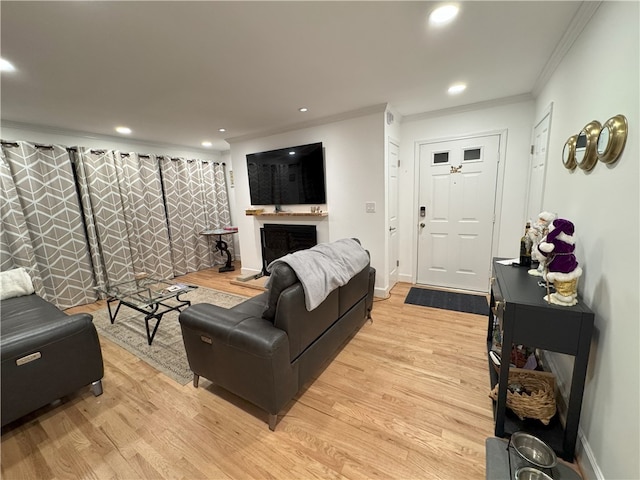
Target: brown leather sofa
(46,354)
(268,347)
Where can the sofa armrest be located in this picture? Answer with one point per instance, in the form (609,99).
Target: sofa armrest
(234,329)
(244,354)
(20,332)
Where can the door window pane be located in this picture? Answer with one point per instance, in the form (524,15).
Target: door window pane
(441,157)
(472,154)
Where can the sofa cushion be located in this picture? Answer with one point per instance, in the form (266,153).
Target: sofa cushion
(282,277)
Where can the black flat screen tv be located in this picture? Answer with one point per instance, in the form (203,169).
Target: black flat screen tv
(288,176)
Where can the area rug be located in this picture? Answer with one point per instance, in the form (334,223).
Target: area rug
(166,353)
(459,302)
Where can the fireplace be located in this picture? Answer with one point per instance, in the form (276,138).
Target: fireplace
(278,240)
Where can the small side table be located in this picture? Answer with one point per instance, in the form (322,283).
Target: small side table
(221,245)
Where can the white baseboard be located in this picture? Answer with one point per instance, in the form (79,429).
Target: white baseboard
(405,277)
(381,292)
(245,272)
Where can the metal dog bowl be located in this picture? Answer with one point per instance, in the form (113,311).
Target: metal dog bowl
(530,473)
(534,451)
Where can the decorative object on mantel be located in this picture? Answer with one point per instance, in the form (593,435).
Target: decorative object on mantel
(612,139)
(288,214)
(254,211)
(537,232)
(560,267)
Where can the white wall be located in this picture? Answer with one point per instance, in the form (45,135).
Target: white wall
(354,166)
(597,79)
(514,118)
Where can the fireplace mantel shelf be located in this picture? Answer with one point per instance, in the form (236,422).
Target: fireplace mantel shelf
(288,214)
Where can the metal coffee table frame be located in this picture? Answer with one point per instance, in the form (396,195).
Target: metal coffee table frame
(147,295)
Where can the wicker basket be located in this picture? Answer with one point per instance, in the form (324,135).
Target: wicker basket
(540,404)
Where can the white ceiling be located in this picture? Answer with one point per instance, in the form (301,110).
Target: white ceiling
(176,72)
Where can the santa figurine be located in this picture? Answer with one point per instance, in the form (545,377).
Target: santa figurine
(560,265)
(538,230)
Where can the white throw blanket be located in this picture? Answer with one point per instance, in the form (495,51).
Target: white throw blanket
(15,283)
(324,267)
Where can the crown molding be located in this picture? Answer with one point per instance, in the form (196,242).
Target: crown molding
(379,108)
(573,31)
(525,97)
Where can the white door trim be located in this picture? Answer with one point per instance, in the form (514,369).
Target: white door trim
(389,259)
(495,233)
(548,111)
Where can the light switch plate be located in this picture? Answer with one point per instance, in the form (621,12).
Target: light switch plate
(370,207)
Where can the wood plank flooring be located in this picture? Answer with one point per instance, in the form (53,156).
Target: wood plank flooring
(406,398)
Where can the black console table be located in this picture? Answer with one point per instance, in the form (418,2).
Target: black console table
(527,319)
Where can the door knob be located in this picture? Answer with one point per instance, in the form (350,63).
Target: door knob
(422,225)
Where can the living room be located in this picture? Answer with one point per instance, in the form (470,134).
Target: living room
(596,78)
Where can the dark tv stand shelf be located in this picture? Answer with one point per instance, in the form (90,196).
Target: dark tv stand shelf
(527,319)
(288,214)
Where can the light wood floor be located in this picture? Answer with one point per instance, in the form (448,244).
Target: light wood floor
(407,398)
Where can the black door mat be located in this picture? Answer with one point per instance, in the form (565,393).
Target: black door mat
(459,302)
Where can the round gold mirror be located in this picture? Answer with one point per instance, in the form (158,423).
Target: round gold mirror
(586,152)
(569,153)
(612,139)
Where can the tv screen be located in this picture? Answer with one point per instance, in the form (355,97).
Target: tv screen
(288,176)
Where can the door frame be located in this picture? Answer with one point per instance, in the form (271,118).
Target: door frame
(547,112)
(391,140)
(497,206)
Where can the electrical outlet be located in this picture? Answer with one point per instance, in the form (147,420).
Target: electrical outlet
(370,207)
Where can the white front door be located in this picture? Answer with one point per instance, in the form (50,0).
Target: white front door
(393,213)
(456,212)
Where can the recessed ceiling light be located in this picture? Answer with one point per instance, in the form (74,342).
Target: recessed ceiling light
(456,88)
(206,144)
(6,66)
(222,130)
(123,130)
(303,109)
(443,14)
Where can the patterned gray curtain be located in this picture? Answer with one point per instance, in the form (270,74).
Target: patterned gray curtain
(42,228)
(124,213)
(197,200)
(217,203)
(144,212)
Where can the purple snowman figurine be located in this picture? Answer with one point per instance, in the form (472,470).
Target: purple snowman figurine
(561,266)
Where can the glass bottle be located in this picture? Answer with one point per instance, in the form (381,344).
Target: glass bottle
(525,247)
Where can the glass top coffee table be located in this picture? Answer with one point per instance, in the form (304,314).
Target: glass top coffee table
(147,295)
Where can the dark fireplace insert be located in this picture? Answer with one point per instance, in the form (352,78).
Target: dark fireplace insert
(278,240)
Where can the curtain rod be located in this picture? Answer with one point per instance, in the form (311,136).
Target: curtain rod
(9,144)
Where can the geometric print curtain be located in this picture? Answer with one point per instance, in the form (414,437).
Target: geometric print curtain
(144,213)
(197,200)
(217,203)
(77,218)
(42,228)
(124,214)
